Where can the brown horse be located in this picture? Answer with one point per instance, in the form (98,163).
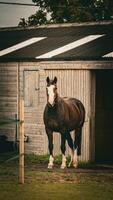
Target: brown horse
(63,115)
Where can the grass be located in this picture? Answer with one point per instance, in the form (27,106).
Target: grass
(55,184)
(43,159)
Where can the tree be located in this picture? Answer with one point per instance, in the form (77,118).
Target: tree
(22,22)
(65,10)
(37,19)
(103,9)
(62,11)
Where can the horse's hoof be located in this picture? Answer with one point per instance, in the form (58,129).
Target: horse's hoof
(75,165)
(50,167)
(63,167)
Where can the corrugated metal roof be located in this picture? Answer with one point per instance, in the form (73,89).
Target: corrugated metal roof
(70,42)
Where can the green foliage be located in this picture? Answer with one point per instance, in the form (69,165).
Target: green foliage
(34,20)
(37,19)
(22,22)
(62,11)
(36,159)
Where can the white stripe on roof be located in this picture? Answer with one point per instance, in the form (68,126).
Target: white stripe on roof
(21,45)
(69,46)
(108,55)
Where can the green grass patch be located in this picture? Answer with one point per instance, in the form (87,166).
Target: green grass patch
(56,184)
(43,159)
(32,159)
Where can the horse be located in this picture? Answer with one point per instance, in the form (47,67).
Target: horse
(63,115)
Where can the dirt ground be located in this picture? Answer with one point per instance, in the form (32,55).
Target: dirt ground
(88,182)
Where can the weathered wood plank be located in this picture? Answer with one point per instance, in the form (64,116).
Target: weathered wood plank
(8,96)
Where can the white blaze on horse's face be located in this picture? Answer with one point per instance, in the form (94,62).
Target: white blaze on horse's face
(51,94)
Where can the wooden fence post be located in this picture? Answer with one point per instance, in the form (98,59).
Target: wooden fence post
(21,143)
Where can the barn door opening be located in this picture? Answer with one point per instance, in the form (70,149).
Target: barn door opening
(104,116)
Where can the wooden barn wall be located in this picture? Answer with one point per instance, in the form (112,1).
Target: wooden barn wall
(72,81)
(8,97)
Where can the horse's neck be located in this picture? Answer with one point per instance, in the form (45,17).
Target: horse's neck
(60,104)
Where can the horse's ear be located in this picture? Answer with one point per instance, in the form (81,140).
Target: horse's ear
(47,80)
(55,80)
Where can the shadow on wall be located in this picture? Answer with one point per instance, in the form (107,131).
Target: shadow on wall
(5,145)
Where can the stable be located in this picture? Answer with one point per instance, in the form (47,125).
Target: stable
(81,56)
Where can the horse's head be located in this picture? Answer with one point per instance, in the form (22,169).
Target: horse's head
(51,91)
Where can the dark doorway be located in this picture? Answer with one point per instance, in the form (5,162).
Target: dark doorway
(104,116)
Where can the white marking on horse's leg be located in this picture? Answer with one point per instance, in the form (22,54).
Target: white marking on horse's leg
(75,159)
(63,165)
(50,164)
(72,155)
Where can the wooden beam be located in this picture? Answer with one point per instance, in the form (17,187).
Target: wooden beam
(21,143)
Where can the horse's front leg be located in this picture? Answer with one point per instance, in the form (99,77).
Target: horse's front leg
(63,149)
(50,146)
